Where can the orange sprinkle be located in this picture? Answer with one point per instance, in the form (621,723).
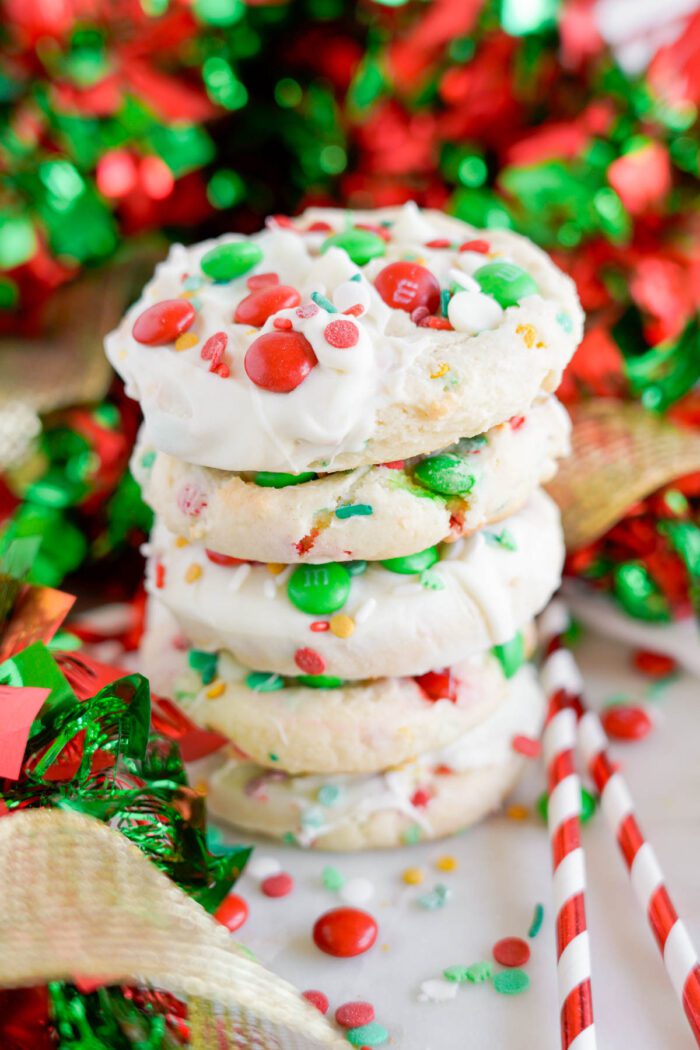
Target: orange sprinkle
(182,541)
(413,876)
(517,812)
(193,573)
(276,568)
(446,863)
(527,331)
(215,690)
(440,371)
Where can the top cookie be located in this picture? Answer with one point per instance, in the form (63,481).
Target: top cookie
(343,338)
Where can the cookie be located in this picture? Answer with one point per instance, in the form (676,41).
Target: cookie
(355,728)
(437,795)
(368,513)
(358,620)
(321,345)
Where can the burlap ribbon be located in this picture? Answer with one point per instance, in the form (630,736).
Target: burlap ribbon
(621,453)
(80,899)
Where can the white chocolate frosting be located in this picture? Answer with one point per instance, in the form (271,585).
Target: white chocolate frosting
(481,592)
(401,390)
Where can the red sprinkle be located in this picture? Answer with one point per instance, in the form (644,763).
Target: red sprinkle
(438,242)
(307,310)
(440,323)
(345,932)
(396,464)
(264,302)
(262,280)
(223,559)
(408,285)
(222,370)
(475,246)
(309,661)
(655,665)
(279,885)
(516,422)
(282,324)
(420,798)
(317,999)
(232,912)
(526,745)
(320,625)
(511,951)
(279,361)
(213,350)
(355,311)
(282,220)
(163,322)
(438,685)
(341,334)
(319,227)
(352,1015)
(626,723)
(191,500)
(160,574)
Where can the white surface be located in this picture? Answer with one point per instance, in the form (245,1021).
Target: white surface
(504,870)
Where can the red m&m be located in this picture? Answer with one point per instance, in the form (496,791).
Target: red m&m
(408,285)
(163,322)
(438,685)
(279,361)
(345,932)
(264,302)
(232,912)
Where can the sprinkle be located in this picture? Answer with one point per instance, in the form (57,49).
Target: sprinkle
(504,539)
(193,573)
(412,835)
(437,990)
(317,999)
(354,510)
(222,371)
(357,891)
(216,690)
(459,974)
(526,745)
(324,303)
(354,1014)
(355,311)
(537,920)
(282,324)
(214,349)
(148,459)
(511,952)
(260,867)
(160,575)
(655,665)
(479,972)
(309,661)
(307,310)
(318,626)
(438,242)
(328,794)
(367,1035)
(446,863)
(279,885)
(511,982)
(332,878)
(341,334)
(342,625)
(527,331)
(445,296)
(483,247)
(276,568)
(440,371)
(440,323)
(436,898)
(186,341)
(516,812)
(565,322)
(366,610)
(413,876)
(181,541)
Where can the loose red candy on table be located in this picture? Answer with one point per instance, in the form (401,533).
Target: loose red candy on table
(279,885)
(264,302)
(511,952)
(232,912)
(655,665)
(163,322)
(345,932)
(407,286)
(353,1015)
(625,722)
(279,361)
(317,999)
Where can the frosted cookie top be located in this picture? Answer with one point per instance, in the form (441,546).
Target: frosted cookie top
(341,338)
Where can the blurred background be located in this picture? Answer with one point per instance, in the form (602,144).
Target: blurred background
(126,124)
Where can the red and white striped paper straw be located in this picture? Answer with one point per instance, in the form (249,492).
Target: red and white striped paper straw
(564,688)
(563,818)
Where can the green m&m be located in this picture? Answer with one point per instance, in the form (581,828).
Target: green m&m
(505,282)
(320,681)
(264,681)
(227,261)
(411,564)
(446,474)
(361,245)
(319,589)
(271,480)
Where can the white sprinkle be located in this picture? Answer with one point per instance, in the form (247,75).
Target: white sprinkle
(259,867)
(437,990)
(270,588)
(238,577)
(357,891)
(365,611)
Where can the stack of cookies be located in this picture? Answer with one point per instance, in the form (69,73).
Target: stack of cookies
(347,420)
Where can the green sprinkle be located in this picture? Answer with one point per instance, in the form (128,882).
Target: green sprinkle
(445,296)
(356,277)
(412,835)
(312,818)
(354,510)
(273,757)
(147,460)
(264,682)
(328,795)
(511,655)
(565,322)
(371,1034)
(458,974)
(537,920)
(504,539)
(511,982)
(473,444)
(479,972)
(289,838)
(432,581)
(436,898)
(204,663)
(332,879)
(324,303)
(192,283)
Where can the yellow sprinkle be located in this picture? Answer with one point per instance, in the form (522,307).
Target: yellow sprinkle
(446,863)
(517,812)
(540,345)
(215,690)
(252,331)
(413,876)
(193,573)
(528,333)
(421,260)
(186,295)
(201,788)
(182,541)
(276,568)
(342,625)
(440,371)
(186,340)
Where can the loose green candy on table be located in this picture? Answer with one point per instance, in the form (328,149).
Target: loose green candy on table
(638,594)
(361,245)
(446,474)
(227,261)
(277,480)
(371,1034)
(505,282)
(411,564)
(511,982)
(319,589)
